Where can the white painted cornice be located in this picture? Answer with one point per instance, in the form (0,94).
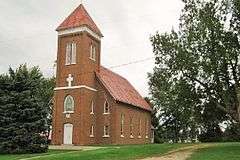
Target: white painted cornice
(79,29)
(74,87)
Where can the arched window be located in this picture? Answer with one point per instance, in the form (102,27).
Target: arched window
(69,104)
(106,107)
(71,53)
(92,107)
(122,125)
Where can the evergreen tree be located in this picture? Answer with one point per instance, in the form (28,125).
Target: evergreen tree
(23,116)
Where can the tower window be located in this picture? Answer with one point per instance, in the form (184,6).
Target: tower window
(93,52)
(71,53)
(69,104)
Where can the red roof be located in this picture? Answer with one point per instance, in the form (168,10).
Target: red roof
(79,17)
(120,89)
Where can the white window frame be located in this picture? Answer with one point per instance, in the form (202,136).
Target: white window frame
(106,131)
(131,127)
(139,128)
(92,131)
(71,53)
(65,103)
(122,125)
(146,130)
(92,107)
(92,52)
(104,108)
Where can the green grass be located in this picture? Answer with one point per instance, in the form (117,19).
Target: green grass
(21,156)
(110,153)
(222,151)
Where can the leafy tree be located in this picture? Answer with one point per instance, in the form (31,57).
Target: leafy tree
(204,52)
(23,112)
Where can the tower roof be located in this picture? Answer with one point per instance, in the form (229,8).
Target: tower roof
(79,17)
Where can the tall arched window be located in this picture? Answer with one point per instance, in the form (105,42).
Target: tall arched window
(106,108)
(69,104)
(71,53)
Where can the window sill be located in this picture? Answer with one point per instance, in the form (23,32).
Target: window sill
(92,113)
(146,137)
(68,112)
(122,136)
(91,136)
(106,136)
(131,136)
(139,136)
(92,59)
(70,64)
(106,113)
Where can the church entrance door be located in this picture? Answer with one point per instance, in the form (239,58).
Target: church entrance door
(68,132)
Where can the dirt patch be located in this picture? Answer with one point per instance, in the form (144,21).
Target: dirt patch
(180,154)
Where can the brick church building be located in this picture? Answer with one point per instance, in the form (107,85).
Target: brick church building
(92,104)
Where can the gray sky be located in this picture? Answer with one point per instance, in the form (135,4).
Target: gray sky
(27,32)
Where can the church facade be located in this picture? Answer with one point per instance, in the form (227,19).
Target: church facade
(92,104)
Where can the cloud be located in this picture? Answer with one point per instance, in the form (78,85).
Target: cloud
(28,32)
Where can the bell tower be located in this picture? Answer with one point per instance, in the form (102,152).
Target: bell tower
(78,58)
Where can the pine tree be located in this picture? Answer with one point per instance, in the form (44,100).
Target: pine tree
(23,116)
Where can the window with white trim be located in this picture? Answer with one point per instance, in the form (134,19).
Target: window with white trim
(147,128)
(106,107)
(69,104)
(93,52)
(106,131)
(122,125)
(92,107)
(139,128)
(131,127)
(92,131)
(71,50)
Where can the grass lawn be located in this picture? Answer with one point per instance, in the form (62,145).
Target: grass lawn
(21,156)
(222,151)
(110,153)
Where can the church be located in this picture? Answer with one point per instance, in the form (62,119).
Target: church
(92,104)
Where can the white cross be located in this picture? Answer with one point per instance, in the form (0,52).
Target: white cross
(69,80)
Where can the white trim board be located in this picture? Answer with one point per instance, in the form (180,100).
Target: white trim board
(79,29)
(75,87)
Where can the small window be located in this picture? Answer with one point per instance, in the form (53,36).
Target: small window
(92,108)
(92,52)
(106,131)
(139,127)
(131,127)
(106,107)
(69,104)
(92,131)
(122,125)
(71,53)
(147,128)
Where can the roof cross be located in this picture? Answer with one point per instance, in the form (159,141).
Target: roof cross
(69,80)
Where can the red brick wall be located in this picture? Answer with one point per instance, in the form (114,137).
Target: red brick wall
(83,74)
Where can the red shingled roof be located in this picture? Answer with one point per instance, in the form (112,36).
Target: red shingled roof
(79,17)
(120,89)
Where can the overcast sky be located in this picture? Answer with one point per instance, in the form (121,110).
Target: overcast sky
(27,32)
